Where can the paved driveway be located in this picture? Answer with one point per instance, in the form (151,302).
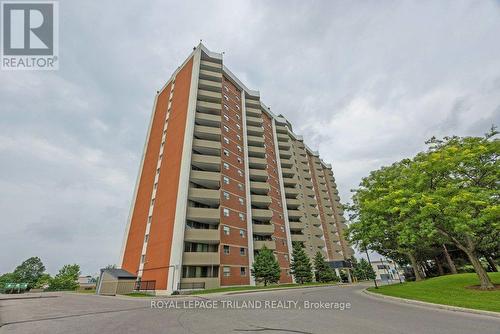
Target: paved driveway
(275,312)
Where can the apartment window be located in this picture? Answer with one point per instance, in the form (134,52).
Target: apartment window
(282,229)
(286,257)
(157,171)
(239,160)
(226,230)
(226,98)
(239,148)
(243,271)
(226,195)
(143,258)
(240,186)
(226,165)
(146,238)
(242,251)
(226,212)
(226,153)
(226,89)
(242,216)
(152,202)
(226,250)
(226,140)
(239,137)
(226,128)
(226,180)
(242,202)
(238,126)
(227,271)
(240,173)
(226,117)
(242,233)
(149,219)
(238,107)
(226,107)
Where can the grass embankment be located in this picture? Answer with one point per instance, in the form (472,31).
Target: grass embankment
(259,287)
(448,290)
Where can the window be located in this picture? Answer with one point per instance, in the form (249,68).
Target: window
(226,107)
(239,137)
(149,219)
(226,140)
(240,173)
(239,160)
(157,171)
(226,118)
(240,186)
(238,126)
(242,216)
(239,148)
(226,165)
(243,251)
(238,107)
(282,229)
(226,180)
(226,128)
(226,212)
(226,98)
(226,89)
(226,230)
(226,195)
(286,257)
(243,271)
(227,271)
(242,233)
(226,250)
(226,153)
(152,202)
(242,202)
(146,238)
(143,258)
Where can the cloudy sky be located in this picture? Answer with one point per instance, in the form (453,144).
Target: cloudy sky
(365,83)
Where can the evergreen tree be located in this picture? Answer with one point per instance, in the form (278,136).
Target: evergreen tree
(367,269)
(323,272)
(301,266)
(266,268)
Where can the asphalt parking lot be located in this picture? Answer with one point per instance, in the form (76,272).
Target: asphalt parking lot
(286,312)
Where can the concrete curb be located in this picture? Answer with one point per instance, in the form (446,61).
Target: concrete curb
(432,305)
(277,289)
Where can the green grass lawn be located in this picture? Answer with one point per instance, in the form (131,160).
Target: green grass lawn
(448,290)
(139,294)
(259,287)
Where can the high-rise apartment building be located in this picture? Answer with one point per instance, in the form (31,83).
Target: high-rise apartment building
(221,177)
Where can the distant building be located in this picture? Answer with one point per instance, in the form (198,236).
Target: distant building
(86,282)
(387,270)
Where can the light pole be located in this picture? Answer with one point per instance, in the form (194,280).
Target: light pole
(370,263)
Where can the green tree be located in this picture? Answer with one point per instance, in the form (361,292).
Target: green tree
(323,272)
(66,279)
(8,278)
(266,268)
(43,281)
(448,194)
(30,271)
(301,265)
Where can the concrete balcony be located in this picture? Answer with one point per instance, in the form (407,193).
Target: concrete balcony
(209,107)
(252,103)
(313,211)
(253,112)
(328,211)
(264,215)
(281,129)
(255,130)
(206,162)
(255,121)
(263,229)
(203,215)
(288,172)
(210,65)
(260,188)
(283,137)
(298,237)
(258,175)
(206,147)
(257,152)
(310,201)
(204,196)
(285,154)
(261,201)
(307,184)
(206,179)
(255,141)
(258,244)
(210,75)
(207,132)
(211,236)
(210,282)
(209,96)
(295,214)
(207,119)
(286,163)
(284,145)
(290,181)
(200,258)
(297,226)
(317,242)
(257,163)
(292,203)
(335,237)
(292,192)
(316,231)
(314,221)
(210,85)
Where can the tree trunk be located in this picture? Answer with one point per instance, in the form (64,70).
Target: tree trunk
(485,280)
(416,269)
(439,266)
(451,264)
(492,263)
